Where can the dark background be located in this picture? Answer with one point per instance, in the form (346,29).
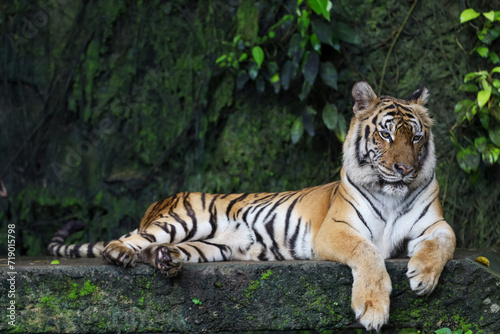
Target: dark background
(107,106)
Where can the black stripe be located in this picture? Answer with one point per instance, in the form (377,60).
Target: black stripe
(409,203)
(359,215)
(285,197)
(201,254)
(185,252)
(270,231)
(423,232)
(402,107)
(203,200)
(293,239)
(366,197)
(178,219)
(343,222)
(288,215)
(90,247)
(173,232)
(270,196)
(76,250)
(222,248)
(233,202)
(213,217)
(149,237)
(190,212)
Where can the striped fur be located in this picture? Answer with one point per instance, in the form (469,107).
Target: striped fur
(385,204)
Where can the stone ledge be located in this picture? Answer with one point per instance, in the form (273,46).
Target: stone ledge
(87,296)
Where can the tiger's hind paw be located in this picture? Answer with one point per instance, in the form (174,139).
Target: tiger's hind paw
(166,258)
(119,254)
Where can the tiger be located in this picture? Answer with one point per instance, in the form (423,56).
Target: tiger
(385,204)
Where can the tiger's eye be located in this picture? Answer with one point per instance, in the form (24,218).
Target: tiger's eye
(417,138)
(384,135)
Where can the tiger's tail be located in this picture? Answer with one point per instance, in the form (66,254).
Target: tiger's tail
(57,246)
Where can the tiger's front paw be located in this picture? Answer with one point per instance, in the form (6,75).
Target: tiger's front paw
(165,257)
(119,254)
(370,300)
(423,274)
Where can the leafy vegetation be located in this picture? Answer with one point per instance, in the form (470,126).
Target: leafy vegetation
(479,118)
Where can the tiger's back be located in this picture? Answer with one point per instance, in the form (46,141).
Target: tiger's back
(217,227)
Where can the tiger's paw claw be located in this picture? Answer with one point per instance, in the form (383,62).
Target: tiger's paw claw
(168,260)
(119,254)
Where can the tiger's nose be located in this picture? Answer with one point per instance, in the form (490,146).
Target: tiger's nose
(402,169)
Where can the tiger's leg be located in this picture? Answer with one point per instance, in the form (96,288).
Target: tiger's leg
(168,258)
(429,254)
(338,241)
(116,252)
(125,251)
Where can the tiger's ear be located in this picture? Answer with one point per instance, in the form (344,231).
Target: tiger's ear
(420,96)
(363,96)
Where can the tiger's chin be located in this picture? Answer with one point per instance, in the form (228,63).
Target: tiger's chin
(396,189)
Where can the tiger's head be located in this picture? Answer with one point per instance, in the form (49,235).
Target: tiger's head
(389,147)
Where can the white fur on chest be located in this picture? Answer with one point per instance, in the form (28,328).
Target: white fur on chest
(391,220)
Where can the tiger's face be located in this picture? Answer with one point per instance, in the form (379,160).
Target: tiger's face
(389,147)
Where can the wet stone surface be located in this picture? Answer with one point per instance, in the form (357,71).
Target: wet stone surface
(88,296)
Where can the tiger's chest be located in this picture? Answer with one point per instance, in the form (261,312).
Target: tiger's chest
(392,223)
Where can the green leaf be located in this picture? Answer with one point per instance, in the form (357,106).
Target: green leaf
(253,70)
(475,75)
(483,96)
(341,130)
(490,155)
(287,74)
(321,7)
(303,23)
(493,57)
(471,112)
(487,36)
(258,55)
(468,159)
(463,104)
(484,118)
(443,331)
(468,14)
(243,57)
(55,262)
(346,33)
(470,87)
(328,74)
(221,59)
(307,120)
(275,78)
(490,15)
(494,133)
(306,88)
(323,30)
(260,84)
(330,116)
(241,79)
(296,50)
(315,43)
(495,70)
(297,131)
(480,144)
(311,67)
(482,51)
